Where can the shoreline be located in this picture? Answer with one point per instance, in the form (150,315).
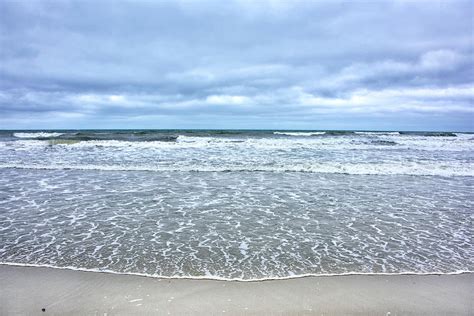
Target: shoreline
(217,278)
(26,290)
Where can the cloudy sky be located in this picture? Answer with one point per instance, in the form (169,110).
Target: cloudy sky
(386,65)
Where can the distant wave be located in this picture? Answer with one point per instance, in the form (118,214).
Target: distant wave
(306,134)
(140,136)
(171,135)
(430,134)
(417,143)
(299,133)
(37,135)
(428,169)
(377,133)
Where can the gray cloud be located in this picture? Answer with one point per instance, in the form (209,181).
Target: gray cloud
(301,64)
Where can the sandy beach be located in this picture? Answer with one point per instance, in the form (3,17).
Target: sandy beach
(27,290)
(268,157)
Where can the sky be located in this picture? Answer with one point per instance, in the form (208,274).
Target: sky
(253,64)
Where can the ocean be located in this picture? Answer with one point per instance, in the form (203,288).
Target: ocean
(237,204)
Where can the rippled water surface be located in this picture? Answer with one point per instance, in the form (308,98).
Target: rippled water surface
(245,205)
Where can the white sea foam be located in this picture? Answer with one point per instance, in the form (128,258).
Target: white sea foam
(37,135)
(396,142)
(377,133)
(299,133)
(420,169)
(235,225)
(218,278)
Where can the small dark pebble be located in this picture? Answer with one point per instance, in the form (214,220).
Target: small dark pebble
(43,309)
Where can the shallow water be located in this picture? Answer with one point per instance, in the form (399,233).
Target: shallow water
(261,205)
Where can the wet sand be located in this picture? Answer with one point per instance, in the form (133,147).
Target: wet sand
(27,290)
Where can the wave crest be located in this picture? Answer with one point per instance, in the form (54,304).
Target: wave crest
(353,169)
(37,135)
(299,133)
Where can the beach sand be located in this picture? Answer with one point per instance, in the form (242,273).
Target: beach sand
(26,290)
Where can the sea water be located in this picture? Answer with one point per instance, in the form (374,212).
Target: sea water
(237,204)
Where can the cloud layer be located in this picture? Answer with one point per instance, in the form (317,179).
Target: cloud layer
(239,64)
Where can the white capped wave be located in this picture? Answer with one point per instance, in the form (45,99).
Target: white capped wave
(468,136)
(37,135)
(418,143)
(299,133)
(377,133)
(419,169)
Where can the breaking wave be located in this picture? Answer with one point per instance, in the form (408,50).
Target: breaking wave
(427,169)
(299,133)
(37,135)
